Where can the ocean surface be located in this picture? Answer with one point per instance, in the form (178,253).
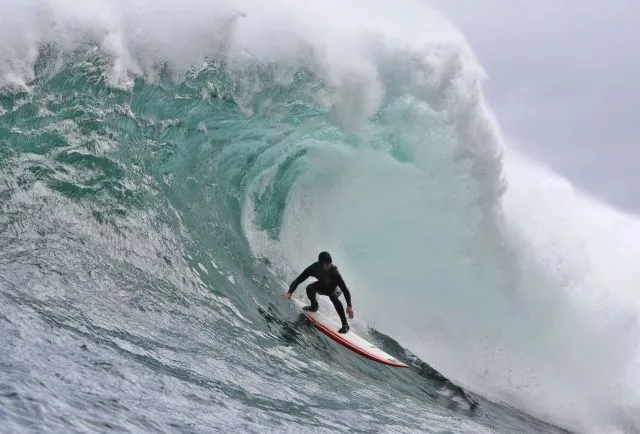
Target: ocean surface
(167,168)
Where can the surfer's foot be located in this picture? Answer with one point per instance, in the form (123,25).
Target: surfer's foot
(310,308)
(344,329)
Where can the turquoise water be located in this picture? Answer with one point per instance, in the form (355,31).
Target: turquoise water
(165,171)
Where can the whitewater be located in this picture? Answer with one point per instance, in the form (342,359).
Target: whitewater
(167,168)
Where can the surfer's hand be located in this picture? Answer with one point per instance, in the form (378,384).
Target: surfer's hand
(286,296)
(350,312)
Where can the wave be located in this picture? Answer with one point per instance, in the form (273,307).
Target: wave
(274,132)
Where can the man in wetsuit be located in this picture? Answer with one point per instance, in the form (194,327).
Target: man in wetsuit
(329,279)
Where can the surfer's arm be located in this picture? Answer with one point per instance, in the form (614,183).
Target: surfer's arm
(301,278)
(343,287)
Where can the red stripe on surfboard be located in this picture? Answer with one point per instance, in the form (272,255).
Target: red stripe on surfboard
(336,337)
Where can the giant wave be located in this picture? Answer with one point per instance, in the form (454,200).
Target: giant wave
(213,148)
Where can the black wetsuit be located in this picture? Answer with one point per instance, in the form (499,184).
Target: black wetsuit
(326,284)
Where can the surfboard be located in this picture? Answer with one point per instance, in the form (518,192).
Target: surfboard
(329,326)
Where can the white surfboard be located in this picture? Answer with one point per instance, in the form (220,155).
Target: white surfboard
(329,326)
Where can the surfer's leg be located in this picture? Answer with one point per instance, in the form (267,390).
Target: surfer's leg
(312,289)
(339,308)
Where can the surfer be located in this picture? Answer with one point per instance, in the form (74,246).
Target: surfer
(329,279)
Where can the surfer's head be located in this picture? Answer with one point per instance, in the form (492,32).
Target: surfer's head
(325,260)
